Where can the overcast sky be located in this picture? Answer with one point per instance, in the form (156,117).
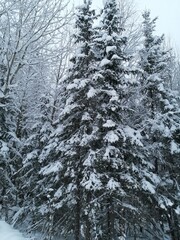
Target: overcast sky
(168,13)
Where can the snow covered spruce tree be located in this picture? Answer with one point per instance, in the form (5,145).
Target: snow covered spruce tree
(121,169)
(9,144)
(63,158)
(162,127)
(38,137)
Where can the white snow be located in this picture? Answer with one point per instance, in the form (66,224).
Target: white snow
(174,148)
(161,87)
(111,137)
(104,62)
(129,206)
(77,84)
(51,168)
(92,183)
(86,117)
(115,56)
(178,210)
(109,124)
(4,148)
(107,37)
(109,150)
(1,94)
(134,135)
(113,94)
(69,108)
(111,49)
(112,184)
(105,2)
(147,186)
(8,233)
(90,159)
(165,202)
(30,156)
(91,93)
(58,193)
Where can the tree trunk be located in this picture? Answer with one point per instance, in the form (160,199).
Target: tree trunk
(88,222)
(110,219)
(172,227)
(78,212)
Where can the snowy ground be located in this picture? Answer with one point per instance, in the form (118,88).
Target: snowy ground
(8,233)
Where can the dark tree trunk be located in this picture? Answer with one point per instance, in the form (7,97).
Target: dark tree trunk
(88,222)
(173,225)
(110,219)
(78,211)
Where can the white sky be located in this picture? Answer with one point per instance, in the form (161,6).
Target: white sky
(168,13)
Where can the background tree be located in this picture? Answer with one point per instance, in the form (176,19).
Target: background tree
(161,123)
(9,145)
(28,30)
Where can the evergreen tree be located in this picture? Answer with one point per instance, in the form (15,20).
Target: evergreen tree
(28,174)
(10,158)
(119,158)
(161,126)
(68,147)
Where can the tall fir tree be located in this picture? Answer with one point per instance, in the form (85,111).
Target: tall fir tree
(28,174)
(119,159)
(161,126)
(68,147)
(10,157)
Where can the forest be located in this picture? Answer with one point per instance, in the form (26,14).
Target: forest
(89,122)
